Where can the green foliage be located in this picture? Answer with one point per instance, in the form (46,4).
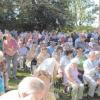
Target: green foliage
(84,29)
(46,14)
(84,11)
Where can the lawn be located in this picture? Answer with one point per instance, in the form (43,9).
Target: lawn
(21,74)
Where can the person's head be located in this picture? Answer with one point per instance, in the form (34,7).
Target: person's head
(59,50)
(79,51)
(52,43)
(82,37)
(70,41)
(69,52)
(31,88)
(92,55)
(8,36)
(74,62)
(43,75)
(4,38)
(44,50)
(42,44)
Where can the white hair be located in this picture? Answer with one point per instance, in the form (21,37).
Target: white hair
(31,84)
(91,39)
(91,53)
(97,52)
(75,60)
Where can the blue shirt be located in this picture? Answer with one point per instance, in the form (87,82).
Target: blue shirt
(2,90)
(51,50)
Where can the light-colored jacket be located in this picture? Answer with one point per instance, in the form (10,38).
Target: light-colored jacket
(89,68)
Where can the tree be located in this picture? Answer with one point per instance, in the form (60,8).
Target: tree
(84,10)
(46,14)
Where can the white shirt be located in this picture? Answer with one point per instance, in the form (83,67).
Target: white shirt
(64,61)
(11,95)
(73,72)
(89,68)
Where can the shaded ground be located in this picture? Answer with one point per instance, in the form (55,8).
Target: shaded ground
(62,96)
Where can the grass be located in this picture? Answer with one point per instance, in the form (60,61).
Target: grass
(21,74)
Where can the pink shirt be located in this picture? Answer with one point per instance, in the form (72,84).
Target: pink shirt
(10,47)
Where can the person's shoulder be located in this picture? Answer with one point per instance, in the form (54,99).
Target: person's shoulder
(77,40)
(48,47)
(86,60)
(10,95)
(68,67)
(64,57)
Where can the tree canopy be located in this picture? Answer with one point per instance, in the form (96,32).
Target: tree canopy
(46,14)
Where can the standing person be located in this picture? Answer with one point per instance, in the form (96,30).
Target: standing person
(10,48)
(3,74)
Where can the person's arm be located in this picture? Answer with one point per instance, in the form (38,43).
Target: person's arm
(59,75)
(89,70)
(5,47)
(69,77)
(39,58)
(62,62)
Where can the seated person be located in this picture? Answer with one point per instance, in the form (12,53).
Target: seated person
(42,55)
(80,57)
(43,75)
(49,66)
(30,55)
(22,52)
(90,77)
(71,72)
(65,60)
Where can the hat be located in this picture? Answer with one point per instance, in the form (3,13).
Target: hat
(1,56)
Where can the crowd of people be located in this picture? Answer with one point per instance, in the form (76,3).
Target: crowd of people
(75,58)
